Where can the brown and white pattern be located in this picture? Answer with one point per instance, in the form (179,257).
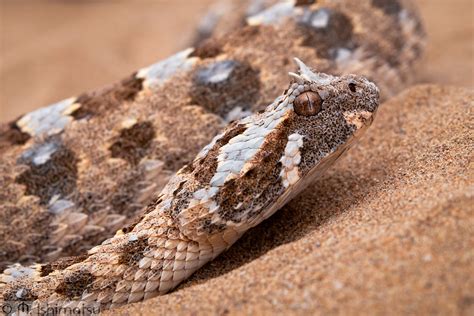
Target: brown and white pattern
(231,186)
(84,167)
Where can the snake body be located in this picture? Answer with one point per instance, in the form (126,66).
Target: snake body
(83,167)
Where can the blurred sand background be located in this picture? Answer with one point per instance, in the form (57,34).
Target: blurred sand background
(53,49)
(389,230)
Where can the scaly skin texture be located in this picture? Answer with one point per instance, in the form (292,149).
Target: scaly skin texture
(250,170)
(83,168)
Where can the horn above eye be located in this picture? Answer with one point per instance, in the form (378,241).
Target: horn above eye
(308,103)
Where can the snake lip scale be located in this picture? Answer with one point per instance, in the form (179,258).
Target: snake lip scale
(131,161)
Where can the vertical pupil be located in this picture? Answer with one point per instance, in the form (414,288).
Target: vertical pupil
(309,103)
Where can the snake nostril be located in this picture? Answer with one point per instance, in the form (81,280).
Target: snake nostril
(352,87)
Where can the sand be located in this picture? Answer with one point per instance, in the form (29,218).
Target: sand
(51,50)
(388,230)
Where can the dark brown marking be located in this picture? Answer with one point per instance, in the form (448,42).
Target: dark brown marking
(129,87)
(61,264)
(122,200)
(389,7)
(189,168)
(248,32)
(211,228)
(132,252)
(134,142)
(204,169)
(109,98)
(56,176)
(304,2)
(152,206)
(24,236)
(207,49)
(173,160)
(178,189)
(338,33)
(262,182)
(11,134)
(75,284)
(27,294)
(221,86)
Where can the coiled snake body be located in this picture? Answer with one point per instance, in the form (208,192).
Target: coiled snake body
(82,168)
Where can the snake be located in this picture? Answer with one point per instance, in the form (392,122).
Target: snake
(119,194)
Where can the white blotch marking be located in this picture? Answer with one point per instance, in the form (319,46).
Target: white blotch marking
(230,166)
(59,206)
(205,194)
(203,198)
(49,120)
(16,271)
(129,122)
(343,55)
(20,293)
(291,159)
(235,156)
(320,19)
(273,15)
(219,179)
(217,72)
(236,114)
(43,153)
(404,16)
(158,73)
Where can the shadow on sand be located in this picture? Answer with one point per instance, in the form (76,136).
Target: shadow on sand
(328,197)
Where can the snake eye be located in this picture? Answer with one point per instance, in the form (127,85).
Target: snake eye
(308,103)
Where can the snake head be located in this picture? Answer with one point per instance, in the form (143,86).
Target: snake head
(355,97)
(324,116)
(262,161)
